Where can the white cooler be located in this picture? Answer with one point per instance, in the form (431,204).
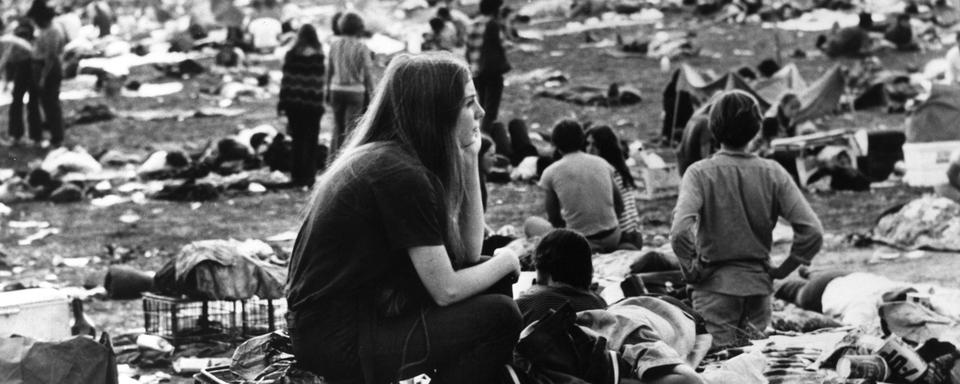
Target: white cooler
(927,163)
(38,313)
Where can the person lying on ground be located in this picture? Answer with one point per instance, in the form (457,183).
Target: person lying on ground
(580,192)
(848,42)
(564,265)
(852,297)
(603,142)
(697,142)
(391,243)
(723,225)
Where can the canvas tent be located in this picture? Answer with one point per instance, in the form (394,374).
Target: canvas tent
(816,99)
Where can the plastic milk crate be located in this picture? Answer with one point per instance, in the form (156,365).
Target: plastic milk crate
(183,320)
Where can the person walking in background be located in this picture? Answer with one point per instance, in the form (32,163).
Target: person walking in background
(17,65)
(350,78)
(49,73)
(603,142)
(723,226)
(301,99)
(488,59)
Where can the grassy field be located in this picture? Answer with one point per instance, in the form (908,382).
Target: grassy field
(165,226)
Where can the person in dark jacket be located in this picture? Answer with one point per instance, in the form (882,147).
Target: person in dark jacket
(301,99)
(488,59)
(16,64)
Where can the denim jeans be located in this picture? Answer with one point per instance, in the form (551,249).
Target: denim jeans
(304,129)
(347,108)
(23,83)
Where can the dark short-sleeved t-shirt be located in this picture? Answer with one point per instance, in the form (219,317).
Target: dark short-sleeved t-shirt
(356,237)
(539,300)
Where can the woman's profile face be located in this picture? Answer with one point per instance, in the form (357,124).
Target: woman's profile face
(592,146)
(468,122)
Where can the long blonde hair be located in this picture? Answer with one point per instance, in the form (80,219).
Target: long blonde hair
(416,106)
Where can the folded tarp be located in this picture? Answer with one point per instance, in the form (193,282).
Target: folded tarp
(817,99)
(79,360)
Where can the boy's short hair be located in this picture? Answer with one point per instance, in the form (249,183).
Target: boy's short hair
(351,24)
(566,256)
(490,7)
(437,24)
(735,118)
(444,13)
(568,136)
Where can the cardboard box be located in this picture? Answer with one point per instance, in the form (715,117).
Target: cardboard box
(38,313)
(658,183)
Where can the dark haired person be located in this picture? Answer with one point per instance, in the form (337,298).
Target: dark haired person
(603,142)
(564,265)
(47,65)
(488,59)
(580,192)
(441,36)
(386,279)
(696,142)
(900,33)
(16,64)
(301,99)
(349,77)
(723,224)
(459,22)
(852,41)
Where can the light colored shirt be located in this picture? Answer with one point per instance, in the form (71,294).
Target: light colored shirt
(350,66)
(953,65)
(724,218)
(266,32)
(584,186)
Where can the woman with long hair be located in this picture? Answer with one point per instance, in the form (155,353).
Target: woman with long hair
(603,142)
(386,279)
(301,99)
(350,77)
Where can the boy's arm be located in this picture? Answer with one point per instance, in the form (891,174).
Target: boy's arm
(686,218)
(807,230)
(552,205)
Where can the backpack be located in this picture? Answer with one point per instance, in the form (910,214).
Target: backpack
(555,350)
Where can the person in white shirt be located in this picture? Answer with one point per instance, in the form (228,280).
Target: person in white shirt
(953,63)
(266,33)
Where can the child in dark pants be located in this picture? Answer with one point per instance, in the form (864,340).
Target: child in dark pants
(723,224)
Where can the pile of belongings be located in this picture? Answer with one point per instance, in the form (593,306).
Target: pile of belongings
(613,95)
(79,360)
(223,270)
(929,222)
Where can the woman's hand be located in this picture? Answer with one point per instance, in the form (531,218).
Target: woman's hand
(509,258)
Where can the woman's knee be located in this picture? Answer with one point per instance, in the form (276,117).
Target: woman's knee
(499,314)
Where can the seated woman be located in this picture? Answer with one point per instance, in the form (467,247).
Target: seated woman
(564,273)
(386,279)
(603,142)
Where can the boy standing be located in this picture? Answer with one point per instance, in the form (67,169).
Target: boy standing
(723,224)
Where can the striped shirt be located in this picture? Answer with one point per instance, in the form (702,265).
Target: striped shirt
(351,64)
(303,82)
(485,52)
(630,217)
